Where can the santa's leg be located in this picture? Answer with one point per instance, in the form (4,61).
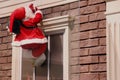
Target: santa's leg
(39,54)
(39,50)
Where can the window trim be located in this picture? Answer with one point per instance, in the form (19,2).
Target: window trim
(61,22)
(113,40)
(6,10)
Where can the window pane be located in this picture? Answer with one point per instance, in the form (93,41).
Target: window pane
(56,58)
(27,68)
(41,71)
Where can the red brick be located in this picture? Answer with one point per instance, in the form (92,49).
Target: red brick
(5,78)
(102,32)
(9,46)
(74,61)
(3,33)
(56,14)
(83,18)
(74,5)
(3,60)
(102,41)
(84,68)
(89,9)
(0,40)
(75,29)
(97,33)
(89,43)
(7,39)
(75,36)
(95,1)
(56,9)
(97,16)
(84,35)
(53,15)
(102,7)
(83,3)
(48,16)
(3,73)
(98,67)
(77,20)
(74,12)
(0,26)
(5,53)
(102,58)
(3,20)
(88,59)
(75,53)
(47,11)
(9,59)
(102,24)
(75,69)
(3,46)
(97,50)
(88,26)
(6,66)
(89,76)
(65,13)
(84,52)
(65,7)
(93,34)
(103,76)
(75,45)
(3,26)
(75,77)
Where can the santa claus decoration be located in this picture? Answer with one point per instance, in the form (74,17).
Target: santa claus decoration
(23,22)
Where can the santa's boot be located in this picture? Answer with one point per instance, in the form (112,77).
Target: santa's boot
(40,60)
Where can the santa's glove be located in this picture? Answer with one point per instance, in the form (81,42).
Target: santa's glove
(39,12)
(40,60)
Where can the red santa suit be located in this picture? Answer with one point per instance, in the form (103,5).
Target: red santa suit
(23,22)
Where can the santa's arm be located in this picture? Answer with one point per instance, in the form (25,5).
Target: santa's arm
(36,19)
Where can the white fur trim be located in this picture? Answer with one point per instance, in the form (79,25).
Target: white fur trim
(39,11)
(29,41)
(40,60)
(28,13)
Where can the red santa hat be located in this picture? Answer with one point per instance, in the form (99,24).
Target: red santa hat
(18,14)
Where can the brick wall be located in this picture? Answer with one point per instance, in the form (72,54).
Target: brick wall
(5,51)
(92,40)
(88,38)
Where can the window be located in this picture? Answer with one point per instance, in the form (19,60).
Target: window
(53,69)
(7,6)
(56,66)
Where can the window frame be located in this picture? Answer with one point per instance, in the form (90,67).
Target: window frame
(52,24)
(65,49)
(113,39)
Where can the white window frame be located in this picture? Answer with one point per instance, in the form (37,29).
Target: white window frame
(52,24)
(8,6)
(113,40)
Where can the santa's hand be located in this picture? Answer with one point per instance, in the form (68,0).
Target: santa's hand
(39,12)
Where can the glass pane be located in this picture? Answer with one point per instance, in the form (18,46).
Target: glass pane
(41,71)
(56,58)
(27,69)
